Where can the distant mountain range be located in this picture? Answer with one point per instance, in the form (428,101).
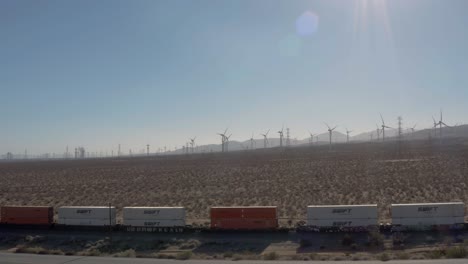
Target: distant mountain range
(337,137)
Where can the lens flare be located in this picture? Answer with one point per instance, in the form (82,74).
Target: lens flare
(307,24)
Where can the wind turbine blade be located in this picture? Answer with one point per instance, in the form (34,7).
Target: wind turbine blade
(327,125)
(440,115)
(381,117)
(334,128)
(445,124)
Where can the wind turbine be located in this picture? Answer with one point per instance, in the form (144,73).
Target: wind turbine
(265,138)
(330,131)
(252,141)
(281,136)
(383,127)
(440,124)
(311,140)
(223,139)
(347,135)
(435,126)
(192,143)
(378,132)
(227,142)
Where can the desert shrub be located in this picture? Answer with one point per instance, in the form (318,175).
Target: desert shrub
(297,257)
(32,250)
(402,255)
(375,239)
(93,252)
(236,257)
(191,244)
(347,240)
(129,253)
(383,257)
(354,246)
(184,255)
(228,254)
(271,256)
(435,254)
(456,252)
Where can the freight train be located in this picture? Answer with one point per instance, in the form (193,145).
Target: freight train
(320,218)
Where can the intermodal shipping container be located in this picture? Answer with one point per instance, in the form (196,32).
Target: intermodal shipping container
(428,221)
(27,215)
(168,213)
(86,212)
(356,222)
(342,215)
(244,218)
(154,223)
(428,210)
(86,222)
(428,213)
(244,224)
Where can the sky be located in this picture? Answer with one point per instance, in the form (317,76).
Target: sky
(107,72)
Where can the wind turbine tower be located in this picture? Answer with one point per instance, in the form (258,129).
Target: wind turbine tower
(347,135)
(440,124)
(147,150)
(265,138)
(226,142)
(288,139)
(383,127)
(330,132)
(400,129)
(192,143)
(223,139)
(252,142)
(281,136)
(311,140)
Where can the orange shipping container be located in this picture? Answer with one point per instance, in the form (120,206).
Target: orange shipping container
(252,217)
(244,224)
(27,215)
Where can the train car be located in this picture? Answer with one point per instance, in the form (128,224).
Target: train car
(154,216)
(244,218)
(27,215)
(342,216)
(86,216)
(427,214)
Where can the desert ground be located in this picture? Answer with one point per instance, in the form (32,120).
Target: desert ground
(290,178)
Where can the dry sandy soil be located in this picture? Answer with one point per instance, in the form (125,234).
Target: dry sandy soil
(290,179)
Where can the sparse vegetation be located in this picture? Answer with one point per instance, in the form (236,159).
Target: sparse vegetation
(456,252)
(384,257)
(271,256)
(184,255)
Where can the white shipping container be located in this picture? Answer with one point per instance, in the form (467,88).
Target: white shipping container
(86,212)
(154,213)
(342,222)
(85,222)
(428,221)
(428,210)
(332,212)
(154,223)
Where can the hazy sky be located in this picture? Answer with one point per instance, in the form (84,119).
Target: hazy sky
(102,72)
